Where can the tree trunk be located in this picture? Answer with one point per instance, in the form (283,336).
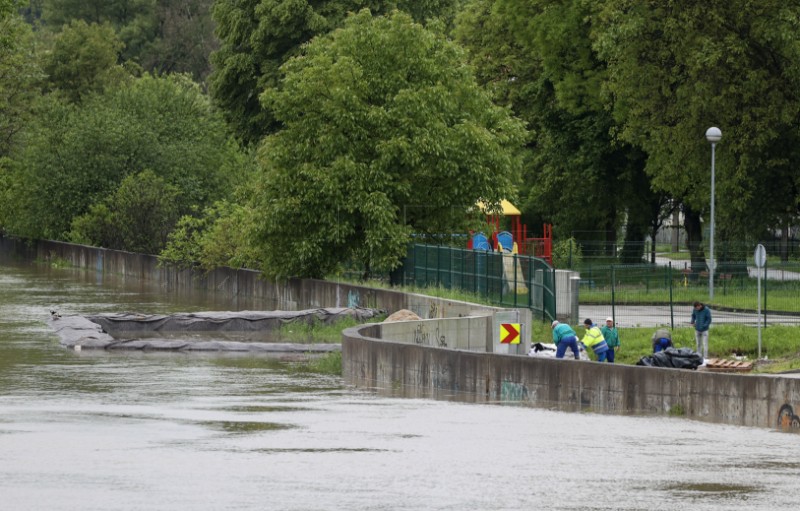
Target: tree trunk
(694,240)
(633,249)
(785,242)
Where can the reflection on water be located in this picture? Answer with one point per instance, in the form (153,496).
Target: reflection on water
(210,431)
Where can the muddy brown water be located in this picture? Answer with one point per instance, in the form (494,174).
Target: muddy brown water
(97,430)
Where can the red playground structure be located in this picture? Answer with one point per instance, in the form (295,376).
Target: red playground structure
(516,241)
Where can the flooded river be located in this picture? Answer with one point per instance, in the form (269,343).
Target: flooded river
(189,431)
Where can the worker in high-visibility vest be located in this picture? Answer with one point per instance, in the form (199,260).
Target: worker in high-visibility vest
(593,339)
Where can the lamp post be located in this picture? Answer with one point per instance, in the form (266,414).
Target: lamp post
(713,135)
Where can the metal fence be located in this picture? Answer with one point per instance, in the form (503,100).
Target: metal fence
(503,279)
(663,294)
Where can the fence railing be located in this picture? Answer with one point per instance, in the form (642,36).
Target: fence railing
(648,294)
(503,279)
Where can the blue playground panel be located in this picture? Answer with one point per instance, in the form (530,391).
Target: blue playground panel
(480,242)
(506,239)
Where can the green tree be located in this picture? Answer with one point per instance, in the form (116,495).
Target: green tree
(219,237)
(183,39)
(676,69)
(138,217)
(20,75)
(258,36)
(386,133)
(537,57)
(77,155)
(84,60)
(175,36)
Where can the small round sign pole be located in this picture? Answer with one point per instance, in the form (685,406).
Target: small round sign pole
(760,257)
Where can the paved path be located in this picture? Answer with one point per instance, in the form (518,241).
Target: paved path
(658,315)
(752,271)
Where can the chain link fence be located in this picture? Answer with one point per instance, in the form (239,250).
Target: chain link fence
(663,294)
(503,279)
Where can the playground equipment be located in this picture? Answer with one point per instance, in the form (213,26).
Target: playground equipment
(510,243)
(515,241)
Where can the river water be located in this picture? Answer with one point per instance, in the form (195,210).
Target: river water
(188,431)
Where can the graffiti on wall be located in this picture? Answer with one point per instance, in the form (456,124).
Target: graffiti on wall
(513,391)
(787,419)
(422,336)
(353,299)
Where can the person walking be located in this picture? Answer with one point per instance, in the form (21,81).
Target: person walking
(701,319)
(611,335)
(564,337)
(593,338)
(662,339)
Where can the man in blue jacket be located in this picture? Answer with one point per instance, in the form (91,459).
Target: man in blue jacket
(564,337)
(701,319)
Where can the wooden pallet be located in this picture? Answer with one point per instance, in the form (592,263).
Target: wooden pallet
(728,366)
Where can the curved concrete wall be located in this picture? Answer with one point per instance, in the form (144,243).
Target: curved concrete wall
(745,400)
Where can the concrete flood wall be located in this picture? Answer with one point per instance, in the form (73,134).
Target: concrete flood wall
(284,294)
(474,333)
(371,356)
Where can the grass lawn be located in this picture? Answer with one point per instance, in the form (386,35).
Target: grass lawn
(784,297)
(780,345)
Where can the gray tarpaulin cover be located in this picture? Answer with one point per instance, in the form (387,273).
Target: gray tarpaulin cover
(141,331)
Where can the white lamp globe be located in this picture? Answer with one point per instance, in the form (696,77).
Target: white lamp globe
(713,135)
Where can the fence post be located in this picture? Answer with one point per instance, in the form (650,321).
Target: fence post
(613,296)
(671,305)
(530,284)
(438,266)
(425,247)
(766,272)
(555,290)
(450,267)
(515,280)
(463,267)
(488,262)
(474,271)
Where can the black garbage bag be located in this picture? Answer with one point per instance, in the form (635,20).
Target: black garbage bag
(684,358)
(678,358)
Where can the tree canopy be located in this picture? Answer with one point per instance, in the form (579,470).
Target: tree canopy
(386,133)
(677,69)
(258,36)
(77,155)
(20,75)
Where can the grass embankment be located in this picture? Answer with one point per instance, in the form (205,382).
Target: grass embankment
(318,332)
(780,298)
(779,344)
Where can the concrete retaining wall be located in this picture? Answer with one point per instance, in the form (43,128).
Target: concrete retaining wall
(745,400)
(477,333)
(285,294)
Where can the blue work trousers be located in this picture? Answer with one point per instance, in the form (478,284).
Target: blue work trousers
(567,342)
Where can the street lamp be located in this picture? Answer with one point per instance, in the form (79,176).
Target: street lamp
(713,135)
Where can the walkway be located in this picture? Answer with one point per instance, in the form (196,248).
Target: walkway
(752,271)
(629,316)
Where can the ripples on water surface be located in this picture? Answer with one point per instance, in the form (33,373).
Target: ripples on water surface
(199,431)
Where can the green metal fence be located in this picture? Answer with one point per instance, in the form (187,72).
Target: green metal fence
(503,279)
(663,294)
